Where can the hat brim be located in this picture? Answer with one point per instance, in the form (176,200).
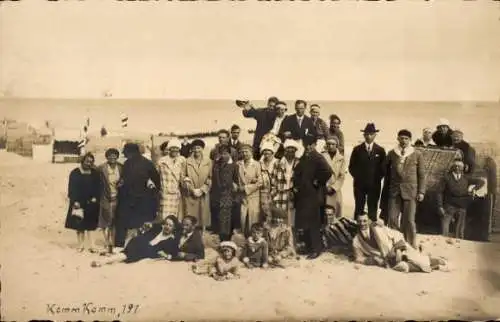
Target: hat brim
(370,131)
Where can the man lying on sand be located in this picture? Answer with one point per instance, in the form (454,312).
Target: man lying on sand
(376,244)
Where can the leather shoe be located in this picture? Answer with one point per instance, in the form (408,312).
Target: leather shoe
(313,255)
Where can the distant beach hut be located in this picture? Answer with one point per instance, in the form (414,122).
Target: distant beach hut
(66,145)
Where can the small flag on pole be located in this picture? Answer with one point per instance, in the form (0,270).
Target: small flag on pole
(124,119)
(82,143)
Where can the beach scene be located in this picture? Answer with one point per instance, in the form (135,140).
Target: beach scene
(44,277)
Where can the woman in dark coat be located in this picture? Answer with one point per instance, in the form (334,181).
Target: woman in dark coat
(83,194)
(224,181)
(158,241)
(138,196)
(309,182)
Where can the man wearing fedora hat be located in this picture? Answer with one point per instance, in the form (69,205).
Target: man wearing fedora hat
(367,167)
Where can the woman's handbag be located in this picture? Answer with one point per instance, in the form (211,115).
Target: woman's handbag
(77,215)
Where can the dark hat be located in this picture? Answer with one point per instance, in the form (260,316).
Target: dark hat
(198,142)
(370,128)
(241,103)
(272,99)
(308,140)
(404,132)
(224,148)
(163,146)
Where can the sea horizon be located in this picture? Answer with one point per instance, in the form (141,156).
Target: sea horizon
(154,116)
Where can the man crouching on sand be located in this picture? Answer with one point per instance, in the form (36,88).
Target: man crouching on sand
(378,245)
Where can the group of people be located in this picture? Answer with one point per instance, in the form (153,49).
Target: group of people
(278,192)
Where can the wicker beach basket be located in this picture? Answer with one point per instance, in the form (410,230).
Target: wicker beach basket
(485,213)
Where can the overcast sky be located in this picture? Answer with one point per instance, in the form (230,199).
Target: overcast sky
(344,50)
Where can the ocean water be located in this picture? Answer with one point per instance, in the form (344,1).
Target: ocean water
(480,121)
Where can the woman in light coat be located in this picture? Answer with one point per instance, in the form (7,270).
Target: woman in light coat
(249,184)
(197,179)
(333,198)
(170,168)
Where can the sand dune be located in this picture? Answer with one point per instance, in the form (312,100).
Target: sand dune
(42,274)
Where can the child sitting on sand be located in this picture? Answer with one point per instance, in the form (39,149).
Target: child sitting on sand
(226,265)
(255,253)
(280,240)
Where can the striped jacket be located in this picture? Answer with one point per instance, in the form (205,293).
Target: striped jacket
(280,194)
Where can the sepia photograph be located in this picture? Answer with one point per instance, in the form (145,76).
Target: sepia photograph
(249,160)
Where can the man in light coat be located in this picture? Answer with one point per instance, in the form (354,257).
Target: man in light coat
(406,186)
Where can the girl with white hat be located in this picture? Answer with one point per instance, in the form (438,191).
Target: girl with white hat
(226,265)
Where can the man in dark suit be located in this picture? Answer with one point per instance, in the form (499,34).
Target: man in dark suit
(298,125)
(367,167)
(235,139)
(265,120)
(406,186)
(185,148)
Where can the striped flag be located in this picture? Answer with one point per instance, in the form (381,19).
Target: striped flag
(82,142)
(124,119)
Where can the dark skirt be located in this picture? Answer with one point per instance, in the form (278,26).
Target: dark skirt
(133,212)
(88,222)
(139,248)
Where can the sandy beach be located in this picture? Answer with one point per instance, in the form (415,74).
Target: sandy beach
(44,277)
